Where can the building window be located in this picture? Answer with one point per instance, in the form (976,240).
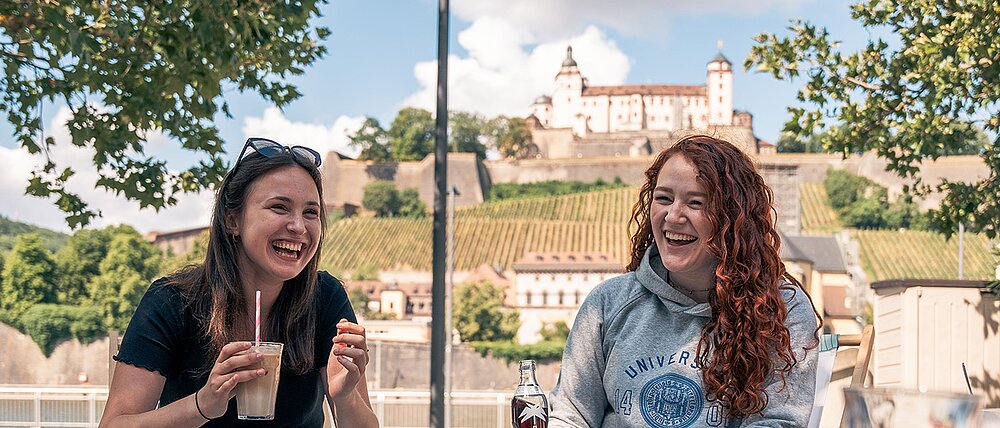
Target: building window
(720,85)
(576,296)
(527,298)
(560,298)
(545,298)
(720,99)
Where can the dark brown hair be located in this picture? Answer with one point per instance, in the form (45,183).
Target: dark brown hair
(746,340)
(213,292)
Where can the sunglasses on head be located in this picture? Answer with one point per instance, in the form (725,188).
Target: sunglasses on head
(270,149)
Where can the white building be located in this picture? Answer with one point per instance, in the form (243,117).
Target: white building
(655,112)
(549,287)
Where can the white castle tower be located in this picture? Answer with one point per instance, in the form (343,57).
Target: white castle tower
(720,90)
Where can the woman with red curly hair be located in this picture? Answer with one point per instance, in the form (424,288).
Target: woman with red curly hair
(706,328)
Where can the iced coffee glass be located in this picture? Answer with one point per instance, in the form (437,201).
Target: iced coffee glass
(255,398)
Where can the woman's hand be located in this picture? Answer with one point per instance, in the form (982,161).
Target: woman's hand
(213,398)
(347,360)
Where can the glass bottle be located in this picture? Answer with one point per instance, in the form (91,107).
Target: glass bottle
(529,407)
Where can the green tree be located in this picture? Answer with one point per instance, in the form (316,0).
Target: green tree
(79,261)
(49,324)
(382,197)
(508,135)
(129,69)
(554,332)
(411,136)
(479,313)
(28,278)
(844,188)
(410,204)
(466,133)
(902,98)
(125,274)
(372,140)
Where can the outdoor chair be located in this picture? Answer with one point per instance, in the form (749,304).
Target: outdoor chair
(842,358)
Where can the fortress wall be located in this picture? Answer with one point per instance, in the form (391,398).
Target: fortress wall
(344,180)
(22,361)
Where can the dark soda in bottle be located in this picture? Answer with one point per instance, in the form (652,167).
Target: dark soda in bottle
(529,407)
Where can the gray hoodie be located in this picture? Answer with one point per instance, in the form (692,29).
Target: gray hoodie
(630,360)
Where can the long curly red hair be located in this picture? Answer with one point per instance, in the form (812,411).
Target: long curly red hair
(746,340)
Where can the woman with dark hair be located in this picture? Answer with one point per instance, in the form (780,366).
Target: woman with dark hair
(706,328)
(186,347)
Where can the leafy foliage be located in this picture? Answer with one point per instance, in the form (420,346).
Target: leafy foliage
(28,277)
(79,261)
(10,229)
(136,68)
(864,204)
(554,332)
(49,324)
(411,136)
(910,102)
(125,275)
(382,197)
(502,191)
(372,141)
(513,352)
(410,205)
(479,313)
(465,133)
(509,136)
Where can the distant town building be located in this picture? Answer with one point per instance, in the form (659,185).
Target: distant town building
(549,287)
(581,120)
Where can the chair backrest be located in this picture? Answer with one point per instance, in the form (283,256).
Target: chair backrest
(841,356)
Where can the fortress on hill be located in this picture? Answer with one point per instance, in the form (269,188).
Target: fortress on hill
(582,132)
(580,120)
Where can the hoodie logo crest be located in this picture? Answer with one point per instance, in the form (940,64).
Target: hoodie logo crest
(671,401)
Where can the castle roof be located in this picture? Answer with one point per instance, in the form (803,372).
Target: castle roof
(682,90)
(569,61)
(720,58)
(543,99)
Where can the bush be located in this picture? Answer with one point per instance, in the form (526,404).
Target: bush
(49,324)
(513,352)
(554,332)
(382,197)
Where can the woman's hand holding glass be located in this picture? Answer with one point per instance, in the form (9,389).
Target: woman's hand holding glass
(213,398)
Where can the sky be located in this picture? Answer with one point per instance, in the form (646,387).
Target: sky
(503,54)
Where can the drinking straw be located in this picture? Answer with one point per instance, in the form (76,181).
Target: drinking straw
(966,373)
(257,320)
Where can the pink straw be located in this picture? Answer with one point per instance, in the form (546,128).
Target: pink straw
(257,320)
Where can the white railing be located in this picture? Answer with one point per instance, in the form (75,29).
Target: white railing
(42,406)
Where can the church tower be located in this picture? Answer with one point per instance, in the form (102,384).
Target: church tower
(566,96)
(719,85)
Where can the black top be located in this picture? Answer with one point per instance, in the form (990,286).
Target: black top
(163,337)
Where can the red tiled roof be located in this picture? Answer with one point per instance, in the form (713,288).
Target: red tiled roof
(684,90)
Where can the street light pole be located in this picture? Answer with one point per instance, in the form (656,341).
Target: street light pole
(448,380)
(438,335)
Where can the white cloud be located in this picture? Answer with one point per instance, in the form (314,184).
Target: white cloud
(503,73)
(641,18)
(190,211)
(274,125)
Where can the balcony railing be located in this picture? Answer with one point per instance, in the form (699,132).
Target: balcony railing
(35,406)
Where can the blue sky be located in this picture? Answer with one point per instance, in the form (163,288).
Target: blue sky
(504,53)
